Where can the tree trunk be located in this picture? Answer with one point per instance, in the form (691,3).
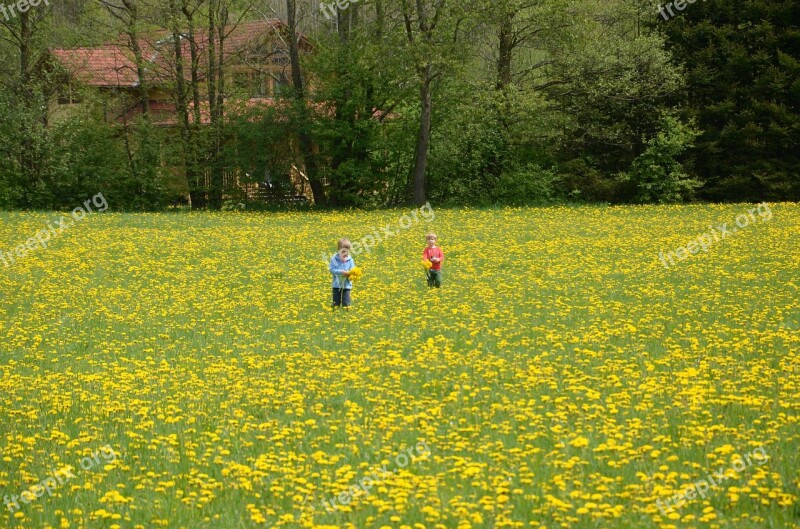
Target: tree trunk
(196,190)
(25,92)
(216,190)
(306,143)
(506,50)
(379,19)
(195,65)
(198,150)
(424,137)
(425,22)
(496,163)
(133,37)
(30,91)
(222,21)
(212,61)
(217,168)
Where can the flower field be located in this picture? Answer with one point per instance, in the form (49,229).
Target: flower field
(563,376)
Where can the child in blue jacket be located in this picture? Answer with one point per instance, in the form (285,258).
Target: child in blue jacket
(340,266)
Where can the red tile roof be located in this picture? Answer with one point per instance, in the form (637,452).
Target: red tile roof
(99,66)
(113,65)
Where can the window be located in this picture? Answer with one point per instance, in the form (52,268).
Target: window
(260,85)
(241,81)
(258,55)
(281,84)
(252,83)
(279,55)
(63,95)
(68,94)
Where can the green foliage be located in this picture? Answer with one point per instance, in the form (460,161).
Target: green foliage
(618,87)
(470,145)
(13,183)
(532,102)
(361,84)
(529,184)
(148,186)
(743,64)
(258,150)
(395,152)
(86,159)
(89,156)
(657,173)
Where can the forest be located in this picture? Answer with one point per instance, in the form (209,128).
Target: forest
(379,103)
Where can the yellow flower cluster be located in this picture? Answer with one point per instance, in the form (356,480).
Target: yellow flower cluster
(426,264)
(356,273)
(564,378)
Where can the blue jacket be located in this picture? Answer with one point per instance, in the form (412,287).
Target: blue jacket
(338,266)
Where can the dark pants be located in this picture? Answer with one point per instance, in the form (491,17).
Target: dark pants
(341,297)
(434,278)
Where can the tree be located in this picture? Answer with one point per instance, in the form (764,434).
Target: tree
(24,34)
(432,35)
(301,107)
(360,80)
(743,64)
(658,173)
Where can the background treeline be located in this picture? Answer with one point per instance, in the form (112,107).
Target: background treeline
(463,102)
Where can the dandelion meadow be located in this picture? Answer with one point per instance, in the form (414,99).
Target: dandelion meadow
(562,377)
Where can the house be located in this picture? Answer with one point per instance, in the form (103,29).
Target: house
(255,64)
(254,67)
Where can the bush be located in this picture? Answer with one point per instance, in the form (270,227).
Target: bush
(657,173)
(527,185)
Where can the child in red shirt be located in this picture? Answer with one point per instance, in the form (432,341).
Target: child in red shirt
(435,255)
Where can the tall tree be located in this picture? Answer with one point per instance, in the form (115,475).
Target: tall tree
(421,20)
(127,12)
(194,173)
(25,33)
(302,108)
(357,80)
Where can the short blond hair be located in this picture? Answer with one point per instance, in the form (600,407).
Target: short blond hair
(431,234)
(344,243)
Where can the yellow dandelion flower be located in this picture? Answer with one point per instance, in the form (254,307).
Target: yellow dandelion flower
(356,273)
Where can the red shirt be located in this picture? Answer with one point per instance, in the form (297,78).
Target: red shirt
(434,252)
